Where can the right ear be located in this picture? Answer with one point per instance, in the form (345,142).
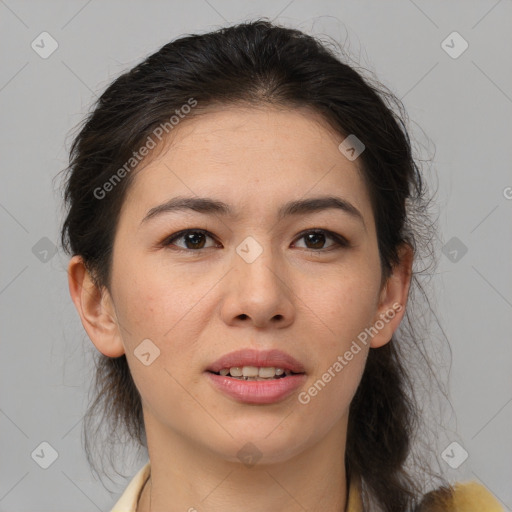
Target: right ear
(95,308)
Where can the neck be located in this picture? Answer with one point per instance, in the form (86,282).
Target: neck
(185,476)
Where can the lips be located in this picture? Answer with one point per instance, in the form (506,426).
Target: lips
(259,358)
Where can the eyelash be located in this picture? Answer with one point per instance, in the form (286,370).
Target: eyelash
(340,241)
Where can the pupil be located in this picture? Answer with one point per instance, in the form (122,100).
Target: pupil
(191,238)
(317,245)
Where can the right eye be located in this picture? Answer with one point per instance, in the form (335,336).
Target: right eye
(194,240)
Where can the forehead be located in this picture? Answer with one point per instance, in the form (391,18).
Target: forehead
(249,158)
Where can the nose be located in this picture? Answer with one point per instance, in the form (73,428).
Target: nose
(258,293)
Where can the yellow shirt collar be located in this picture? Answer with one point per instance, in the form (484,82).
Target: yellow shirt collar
(128,500)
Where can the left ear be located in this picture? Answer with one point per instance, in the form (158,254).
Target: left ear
(393,298)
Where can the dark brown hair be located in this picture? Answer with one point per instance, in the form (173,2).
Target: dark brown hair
(260,63)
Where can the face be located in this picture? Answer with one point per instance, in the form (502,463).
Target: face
(306,283)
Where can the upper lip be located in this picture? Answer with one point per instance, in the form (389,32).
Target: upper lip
(250,357)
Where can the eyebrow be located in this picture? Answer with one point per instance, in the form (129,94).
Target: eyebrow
(211,206)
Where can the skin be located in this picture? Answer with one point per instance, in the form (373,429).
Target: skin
(198,306)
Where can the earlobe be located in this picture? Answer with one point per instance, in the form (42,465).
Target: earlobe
(393,298)
(95,308)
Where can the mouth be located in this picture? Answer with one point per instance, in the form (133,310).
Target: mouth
(255,373)
(256,363)
(257,377)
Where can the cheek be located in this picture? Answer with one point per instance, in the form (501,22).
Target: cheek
(154,303)
(153,307)
(345,308)
(346,305)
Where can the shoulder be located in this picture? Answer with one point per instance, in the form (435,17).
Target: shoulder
(474,496)
(461,497)
(130,497)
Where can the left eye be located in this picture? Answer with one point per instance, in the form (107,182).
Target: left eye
(317,238)
(194,239)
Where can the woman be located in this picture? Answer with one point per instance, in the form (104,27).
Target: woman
(241,210)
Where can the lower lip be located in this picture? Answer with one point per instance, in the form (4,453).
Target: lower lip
(257,391)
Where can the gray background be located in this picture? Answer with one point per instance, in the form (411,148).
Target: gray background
(463,105)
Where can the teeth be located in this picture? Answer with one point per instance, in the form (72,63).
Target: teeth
(254,372)
(250,371)
(267,372)
(236,371)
